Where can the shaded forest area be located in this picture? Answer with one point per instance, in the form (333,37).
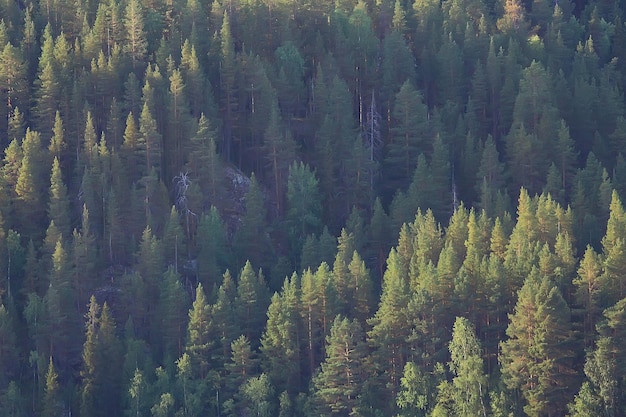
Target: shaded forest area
(312,208)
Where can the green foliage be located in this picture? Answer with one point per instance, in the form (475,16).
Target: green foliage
(198,335)
(368,125)
(251,241)
(469,382)
(304,208)
(410,133)
(537,359)
(338,385)
(413,396)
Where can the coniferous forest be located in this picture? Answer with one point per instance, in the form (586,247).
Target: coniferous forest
(302,208)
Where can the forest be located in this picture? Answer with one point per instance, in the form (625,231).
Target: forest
(298,208)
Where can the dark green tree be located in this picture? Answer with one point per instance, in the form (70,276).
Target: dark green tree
(213,252)
(251,241)
(409,136)
(304,209)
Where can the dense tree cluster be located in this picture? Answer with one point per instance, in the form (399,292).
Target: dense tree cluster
(305,208)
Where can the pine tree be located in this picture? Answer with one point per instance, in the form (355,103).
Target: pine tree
(280,152)
(251,241)
(9,347)
(470,382)
(251,303)
(334,137)
(198,334)
(150,268)
(224,313)
(46,98)
(613,252)
(338,386)
(586,403)
(204,161)
(149,146)
(304,208)
(604,366)
(490,175)
(255,396)
(137,393)
(213,254)
(84,260)
(397,64)
(16,125)
(135,43)
(110,358)
(414,395)
(179,124)
(409,135)
(29,186)
(281,339)
(390,326)
(537,357)
(12,81)
(311,319)
(174,243)
(52,405)
(591,292)
(57,146)
(242,365)
(379,235)
(362,287)
(173,307)
(565,157)
(91,368)
(227,87)
(64,327)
